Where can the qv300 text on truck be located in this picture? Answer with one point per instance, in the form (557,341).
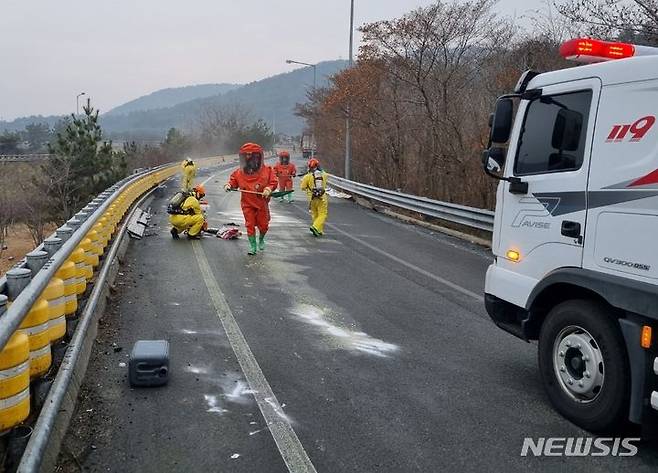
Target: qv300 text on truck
(576,230)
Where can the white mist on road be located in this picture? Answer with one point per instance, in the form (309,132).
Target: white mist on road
(346,338)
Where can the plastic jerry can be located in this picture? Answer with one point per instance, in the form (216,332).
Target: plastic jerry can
(149,363)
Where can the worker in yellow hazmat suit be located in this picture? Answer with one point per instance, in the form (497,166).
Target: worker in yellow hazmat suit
(188,216)
(315,185)
(189,173)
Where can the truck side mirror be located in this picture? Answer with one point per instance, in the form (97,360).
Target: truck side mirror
(567,130)
(501,123)
(493,159)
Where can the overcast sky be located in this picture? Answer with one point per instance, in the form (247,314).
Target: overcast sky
(117,50)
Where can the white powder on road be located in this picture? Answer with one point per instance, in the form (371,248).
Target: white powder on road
(346,338)
(213,404)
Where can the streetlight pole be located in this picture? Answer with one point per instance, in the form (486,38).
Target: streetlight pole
(315,71)
(77,102)
(348,131)
(315,83)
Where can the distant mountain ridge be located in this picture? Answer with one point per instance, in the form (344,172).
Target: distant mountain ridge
(272,99)
(170,97)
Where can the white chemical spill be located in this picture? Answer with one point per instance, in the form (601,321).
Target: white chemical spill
(197,369)
(275,217)
(213,404)
(188,331)
(346,338)
(240,393)
(278,410)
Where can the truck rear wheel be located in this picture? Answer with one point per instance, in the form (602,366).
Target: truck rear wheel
(584,366)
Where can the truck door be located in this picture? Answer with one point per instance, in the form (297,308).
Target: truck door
(544,228)
(623,184)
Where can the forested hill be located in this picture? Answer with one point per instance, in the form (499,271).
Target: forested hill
(272,99)
(170,97)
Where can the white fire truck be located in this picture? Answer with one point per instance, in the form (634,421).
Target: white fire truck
(576,230)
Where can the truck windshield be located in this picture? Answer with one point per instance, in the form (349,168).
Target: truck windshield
(537,152)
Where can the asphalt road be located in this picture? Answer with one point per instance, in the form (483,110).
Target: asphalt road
(368,350)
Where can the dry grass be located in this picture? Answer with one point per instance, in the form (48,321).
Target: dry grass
(18,244)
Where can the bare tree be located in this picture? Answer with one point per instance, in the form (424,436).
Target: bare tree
(38,210)
(420,95)
(634,20)
(219,123)
(8,210)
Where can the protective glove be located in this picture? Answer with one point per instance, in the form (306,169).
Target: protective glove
(227,188)
(267,192)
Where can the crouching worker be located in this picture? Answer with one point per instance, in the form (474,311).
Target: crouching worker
(256,181)
(185,214)
(315,185)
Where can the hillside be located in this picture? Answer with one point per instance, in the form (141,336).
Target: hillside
(170,97)
(19,124)
(271,99)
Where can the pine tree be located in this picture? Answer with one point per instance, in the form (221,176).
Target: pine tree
(82,164)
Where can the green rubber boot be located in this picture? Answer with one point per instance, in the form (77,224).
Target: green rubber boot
(253,249)
(261,243)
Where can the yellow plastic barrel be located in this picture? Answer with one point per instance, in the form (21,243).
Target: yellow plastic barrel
(55,296)
(96,244)
(110,215)
(67,272)
(81,269)
(103,232)
(35,325)
(91,258)
(14,381)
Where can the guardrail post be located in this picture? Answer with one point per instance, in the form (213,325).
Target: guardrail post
(74,223)
(64,233)
(36,259)
(17,280)
(3,304)
(51,245)
(82,216)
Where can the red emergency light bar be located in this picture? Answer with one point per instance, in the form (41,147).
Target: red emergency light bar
(595,50)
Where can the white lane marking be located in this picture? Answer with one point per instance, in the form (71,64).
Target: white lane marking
(224,171)
(291,449)
(438,279)
(204,182)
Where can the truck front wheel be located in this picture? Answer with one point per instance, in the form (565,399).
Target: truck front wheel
(584,366)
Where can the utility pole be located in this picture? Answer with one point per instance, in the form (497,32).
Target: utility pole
(348,134)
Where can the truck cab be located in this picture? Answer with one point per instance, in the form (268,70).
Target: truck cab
(575,232)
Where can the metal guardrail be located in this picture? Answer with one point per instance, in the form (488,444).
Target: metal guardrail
(110,206)
(22,158)
(461,214)
(11,320)
(19,308)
